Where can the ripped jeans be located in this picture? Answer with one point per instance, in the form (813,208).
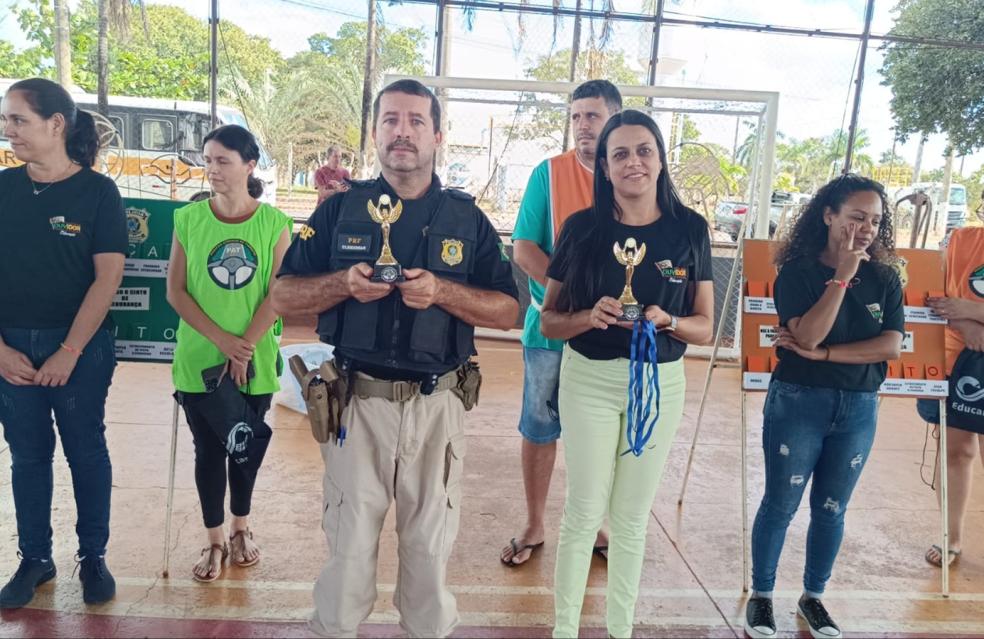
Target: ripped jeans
(807,431)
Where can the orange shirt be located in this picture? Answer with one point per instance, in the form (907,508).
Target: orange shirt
(571,188)
(964,279)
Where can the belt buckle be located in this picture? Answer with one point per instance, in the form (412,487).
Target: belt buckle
(404,391)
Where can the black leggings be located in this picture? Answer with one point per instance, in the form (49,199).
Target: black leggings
(211,459)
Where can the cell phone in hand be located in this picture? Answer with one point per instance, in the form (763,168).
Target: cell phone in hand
(212,377)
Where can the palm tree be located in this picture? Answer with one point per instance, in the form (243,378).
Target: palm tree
(115,15)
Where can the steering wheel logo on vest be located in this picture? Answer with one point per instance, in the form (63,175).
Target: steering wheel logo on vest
(977,281)
(232,264)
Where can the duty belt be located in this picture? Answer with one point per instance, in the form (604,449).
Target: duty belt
(399,391)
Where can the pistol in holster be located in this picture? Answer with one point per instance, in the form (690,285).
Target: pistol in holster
(326,394)
(469,384)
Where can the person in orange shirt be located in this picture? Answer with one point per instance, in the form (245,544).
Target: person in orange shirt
(963,308)
(559,187)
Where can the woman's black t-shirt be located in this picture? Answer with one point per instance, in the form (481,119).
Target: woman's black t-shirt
(872,305)
(678,254)
(47,242)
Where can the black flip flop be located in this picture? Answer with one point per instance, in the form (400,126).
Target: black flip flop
(516,548)
(600,551)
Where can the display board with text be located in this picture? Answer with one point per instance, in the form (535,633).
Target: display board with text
(146,325)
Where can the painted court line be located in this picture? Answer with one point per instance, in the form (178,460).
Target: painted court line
(545,591)
(504,619)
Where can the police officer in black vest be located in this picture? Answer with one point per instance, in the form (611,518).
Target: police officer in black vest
(405,348)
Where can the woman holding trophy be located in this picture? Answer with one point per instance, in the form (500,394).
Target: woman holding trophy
(622,381)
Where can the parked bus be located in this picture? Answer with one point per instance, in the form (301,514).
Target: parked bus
(154,146)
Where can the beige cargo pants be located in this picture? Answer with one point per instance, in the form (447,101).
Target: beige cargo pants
(410,452)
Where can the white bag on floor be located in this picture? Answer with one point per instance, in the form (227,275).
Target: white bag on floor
(313,354)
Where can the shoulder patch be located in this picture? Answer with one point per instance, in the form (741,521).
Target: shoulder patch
(366,184)
(458,194)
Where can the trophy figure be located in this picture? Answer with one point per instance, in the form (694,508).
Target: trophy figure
(630,257)
(386,269)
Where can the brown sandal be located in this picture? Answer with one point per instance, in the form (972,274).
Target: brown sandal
(223,549)
(237,543)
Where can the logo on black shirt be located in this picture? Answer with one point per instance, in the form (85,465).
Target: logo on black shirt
(875,310)
(68,229)
(676,275)
(306,232)
(977,281)
(232,264)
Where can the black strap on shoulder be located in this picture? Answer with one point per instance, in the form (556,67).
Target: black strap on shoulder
(430,220)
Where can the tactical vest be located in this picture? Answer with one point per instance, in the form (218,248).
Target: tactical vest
(438,340)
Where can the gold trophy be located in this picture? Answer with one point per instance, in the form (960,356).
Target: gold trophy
(386,269)
(629,257)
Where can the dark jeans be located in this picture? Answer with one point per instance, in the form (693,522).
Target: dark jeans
(79,408)
(808,431)
(211,460)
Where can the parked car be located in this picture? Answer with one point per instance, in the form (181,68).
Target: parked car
(728,215)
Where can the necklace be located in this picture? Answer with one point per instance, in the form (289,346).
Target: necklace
(34,185)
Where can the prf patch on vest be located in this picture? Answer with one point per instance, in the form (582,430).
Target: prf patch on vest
(354,243)
(452,252)
(306,232)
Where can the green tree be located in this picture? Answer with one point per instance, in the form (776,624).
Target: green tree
(18,65)
(318,100)
(169,60)
(938,89)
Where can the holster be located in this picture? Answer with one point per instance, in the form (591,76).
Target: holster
(469,384)
(325,394)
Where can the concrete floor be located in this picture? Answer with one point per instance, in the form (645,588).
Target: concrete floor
(691,584)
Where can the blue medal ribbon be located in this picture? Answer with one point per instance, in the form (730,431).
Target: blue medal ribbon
(643,387)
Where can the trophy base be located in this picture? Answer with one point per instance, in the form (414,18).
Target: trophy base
(631,313)
(387,273)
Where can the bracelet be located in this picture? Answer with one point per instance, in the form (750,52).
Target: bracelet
(75,351)
(826,355)
(839,283)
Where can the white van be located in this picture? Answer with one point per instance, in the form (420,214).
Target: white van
(154,146)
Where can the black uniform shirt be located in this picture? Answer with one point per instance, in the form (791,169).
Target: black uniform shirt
(678,254)
(310,254)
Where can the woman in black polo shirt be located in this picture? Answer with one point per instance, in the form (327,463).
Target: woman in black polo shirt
(62,244)
(841,316)
(633,199)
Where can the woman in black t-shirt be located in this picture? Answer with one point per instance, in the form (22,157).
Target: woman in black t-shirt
(633,199)
(63,239)
(841,316)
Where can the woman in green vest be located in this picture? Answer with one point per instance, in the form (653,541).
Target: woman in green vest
(225,252)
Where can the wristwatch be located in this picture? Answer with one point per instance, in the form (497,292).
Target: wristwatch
(672,326)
